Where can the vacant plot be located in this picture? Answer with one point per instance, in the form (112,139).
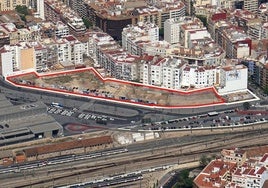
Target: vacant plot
(87,82)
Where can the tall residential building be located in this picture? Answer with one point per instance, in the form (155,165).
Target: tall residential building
(233,78)
(5,62)
(175,29)
(56,11)
(40,9)
(133,35)
(112,17)
(6,5)
(263,11)
(251,5)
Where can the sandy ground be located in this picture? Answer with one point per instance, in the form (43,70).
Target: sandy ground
(88,82)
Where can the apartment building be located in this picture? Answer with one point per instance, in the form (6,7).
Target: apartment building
(249,22)
(52,52)
(173,31)
(263,12)
(206,52)
(164,72)
(10,30)
(216,174)
(160,48)
(112,17)
(70,51)
(249,176)
(122,65)
(7,5)
(251,5)
(234,170)
(6,61)
(198,76)
(14,58)
(61,30)
(133,35)
(4,36)
(56,11)
(233,78)
(178,30)
(215,21)
(234,155)
(226,4)
(150,70)
(234,41)
(99,43)
(40,56)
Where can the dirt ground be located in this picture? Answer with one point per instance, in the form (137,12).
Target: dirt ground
(88,83)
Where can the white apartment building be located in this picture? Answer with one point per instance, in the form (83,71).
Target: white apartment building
(250,175)
(173,31)
(251,5)
(61,29)
(150,70)
(198,76)
(38,5)
(6,5)
(163,72)
(15,58)
(225,4)
(6,62)
(194,35)
(263,12)
(70,51)
(133,35)
(172,73)
(123,65)
(156,48)
(233,78)
(98,44)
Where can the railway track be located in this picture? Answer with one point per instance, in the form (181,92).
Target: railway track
(170,155)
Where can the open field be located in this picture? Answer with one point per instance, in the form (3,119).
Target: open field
(88,82)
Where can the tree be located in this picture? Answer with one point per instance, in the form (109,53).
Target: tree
(203,19)
(265,90)
(22,9)
(246,105)
(204,160)
(87,23)
(183,180)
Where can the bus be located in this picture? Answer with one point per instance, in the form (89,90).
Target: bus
(56,104)
(210,114)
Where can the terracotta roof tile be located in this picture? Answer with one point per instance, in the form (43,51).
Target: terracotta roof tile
(67,145)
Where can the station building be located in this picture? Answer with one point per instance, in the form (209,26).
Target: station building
(25,122)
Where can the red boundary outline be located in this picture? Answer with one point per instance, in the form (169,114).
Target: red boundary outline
(221,99)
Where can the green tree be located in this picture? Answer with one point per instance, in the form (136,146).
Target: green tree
(22,9)
(183,180)
(203,19)
(246,105)
(87,23)
(265,90)
(204,160)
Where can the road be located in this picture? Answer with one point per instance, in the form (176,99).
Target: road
(21,95)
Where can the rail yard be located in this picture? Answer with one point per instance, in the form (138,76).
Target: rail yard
(145,160)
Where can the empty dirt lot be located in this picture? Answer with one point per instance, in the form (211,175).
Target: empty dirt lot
(86,82)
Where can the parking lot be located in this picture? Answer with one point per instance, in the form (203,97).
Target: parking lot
(226,118)
(100,119)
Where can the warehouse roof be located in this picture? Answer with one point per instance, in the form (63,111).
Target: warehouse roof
(21,108)
(67,145)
